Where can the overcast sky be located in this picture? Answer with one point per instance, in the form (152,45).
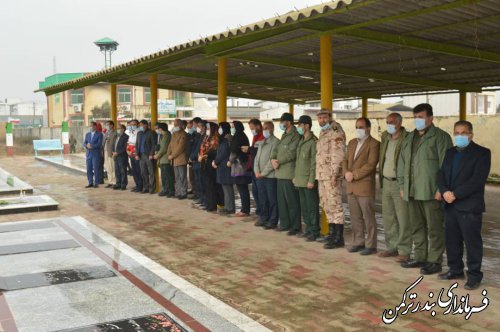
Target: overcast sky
(32,32)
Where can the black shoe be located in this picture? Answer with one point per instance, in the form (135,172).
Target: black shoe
(109,186)
(134,190)
(152,191)
(161,194)
(144,191)
(311,238)
(368,251)
(293,232)
(322,239)
(169,195)
(116,187)
(182,197)
(124,188)
(270,226)
(96,186)
(301,234)
(411,263)
(471,285)
(355,248)
(90,186)
(279,229)
(431,268)
(451,276)
(259,224)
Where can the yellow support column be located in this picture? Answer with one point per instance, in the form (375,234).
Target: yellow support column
(114,105)
(463,106)
(291,109)
(222,90)
(326,92)
(153,87)
(364,109)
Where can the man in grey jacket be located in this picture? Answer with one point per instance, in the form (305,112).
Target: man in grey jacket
(266,178)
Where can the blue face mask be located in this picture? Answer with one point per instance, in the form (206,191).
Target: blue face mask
(266,133)
(129,128)
(192,130)
(282,126)
(326,126)
(300,130)
(141,128)
(134,127)
(391,129)
(233,131)
(419,124)
(461,141)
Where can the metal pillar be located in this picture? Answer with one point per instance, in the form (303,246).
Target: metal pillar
(153,87)
(463,106)
(222,90)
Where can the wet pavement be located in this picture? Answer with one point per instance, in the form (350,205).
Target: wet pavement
(282,282)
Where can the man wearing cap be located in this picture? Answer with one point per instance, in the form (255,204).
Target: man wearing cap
(359,169)
(283,161)
(330,152)
(305,178)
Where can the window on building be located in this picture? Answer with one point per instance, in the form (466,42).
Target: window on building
(124,95)
(147,95)
(77,97)
(179,98)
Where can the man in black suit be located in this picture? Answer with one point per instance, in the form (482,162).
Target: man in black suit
(145,148)
(121,158)
(461,181)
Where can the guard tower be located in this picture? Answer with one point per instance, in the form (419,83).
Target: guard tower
(107,46)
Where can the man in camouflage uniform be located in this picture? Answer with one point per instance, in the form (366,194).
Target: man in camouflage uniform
(330,152)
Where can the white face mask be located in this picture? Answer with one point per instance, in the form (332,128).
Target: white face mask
(360,133)
(175,129)
(158,131)
(254,132)
(266,133)
(119,131)
(208,132)
(221,131)
(198,130)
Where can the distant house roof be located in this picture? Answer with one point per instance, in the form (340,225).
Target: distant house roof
(58,78)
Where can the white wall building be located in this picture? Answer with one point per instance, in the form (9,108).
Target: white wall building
(448,104)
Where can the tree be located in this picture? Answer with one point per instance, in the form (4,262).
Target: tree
(102,112)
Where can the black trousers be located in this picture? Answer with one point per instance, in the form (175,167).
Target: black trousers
(245,197)
(136,173)
(464,228)
(213,191)
(121,163)
(198,181)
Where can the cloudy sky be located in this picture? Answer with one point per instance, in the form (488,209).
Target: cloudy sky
(32,32)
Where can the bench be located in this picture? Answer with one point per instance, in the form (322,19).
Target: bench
(47,145)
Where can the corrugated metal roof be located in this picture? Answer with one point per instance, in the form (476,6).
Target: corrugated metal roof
(380,47)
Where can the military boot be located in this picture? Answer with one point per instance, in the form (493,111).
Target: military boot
(331,237)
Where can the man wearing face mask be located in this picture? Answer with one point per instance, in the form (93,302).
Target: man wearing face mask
(191,131)
(330,153)
(93,145)
(132,132)
(359,169)
(422,154)
(177,154)
(109,162)
(167,172)
(266,178)
(283,161)
(145,150)
(461,182)
(305,178)
(256,128)
(120,159)
(397,227)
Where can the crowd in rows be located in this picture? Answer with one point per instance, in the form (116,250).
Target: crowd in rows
(432,189)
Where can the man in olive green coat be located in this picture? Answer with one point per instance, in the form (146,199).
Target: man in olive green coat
(397,227)
(283,161)
(167,171)
(422,154)
(305,178)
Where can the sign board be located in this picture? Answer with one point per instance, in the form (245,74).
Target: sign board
(167,107)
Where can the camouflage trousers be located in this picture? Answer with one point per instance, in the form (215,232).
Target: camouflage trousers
(330,200)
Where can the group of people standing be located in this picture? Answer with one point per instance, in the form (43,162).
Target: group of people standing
(422,176)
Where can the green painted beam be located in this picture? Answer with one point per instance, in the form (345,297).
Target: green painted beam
(213,92)
(363,74)
(288,86)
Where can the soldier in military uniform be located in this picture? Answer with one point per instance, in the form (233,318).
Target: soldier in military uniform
(330,152)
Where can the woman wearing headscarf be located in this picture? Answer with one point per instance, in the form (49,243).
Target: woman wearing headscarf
(223,171)
(238,161)
(208,151)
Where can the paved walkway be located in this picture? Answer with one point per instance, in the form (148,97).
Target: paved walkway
(282,282)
